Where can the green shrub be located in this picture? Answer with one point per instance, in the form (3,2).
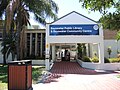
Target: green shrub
(86,59)
(3,69)
(36,75)
(114,60)
(106,60)
(36,72)
(95,59)
(3,74)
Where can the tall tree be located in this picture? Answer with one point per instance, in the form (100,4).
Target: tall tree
(111,21)
(18,11)
(103,6)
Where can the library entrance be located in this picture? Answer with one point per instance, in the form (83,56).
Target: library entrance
(65,52)
(65,55)
(64,35)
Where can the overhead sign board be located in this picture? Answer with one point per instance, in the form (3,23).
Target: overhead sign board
(56,30)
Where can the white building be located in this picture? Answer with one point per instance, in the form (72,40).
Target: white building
(72,29)
(63,36)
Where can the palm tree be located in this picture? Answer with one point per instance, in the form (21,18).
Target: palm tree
(18,11)
(40,8)
(10,47)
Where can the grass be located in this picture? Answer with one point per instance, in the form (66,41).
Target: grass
(3,86)
(36,75)
(3,74)
(3,77)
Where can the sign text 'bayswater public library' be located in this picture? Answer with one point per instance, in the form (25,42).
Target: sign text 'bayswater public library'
(74,29)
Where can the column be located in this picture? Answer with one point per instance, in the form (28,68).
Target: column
(101,52)
(91,50)
(53,52)
(26,44)
(76,46)
(87,52)
(47,56)
(101,46)
(36,39)
(41,45)
(30,43)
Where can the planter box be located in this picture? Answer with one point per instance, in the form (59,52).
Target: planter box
(101,66)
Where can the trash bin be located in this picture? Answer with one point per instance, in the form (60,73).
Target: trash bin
(20,75)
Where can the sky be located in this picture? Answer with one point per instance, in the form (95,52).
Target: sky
(67,6)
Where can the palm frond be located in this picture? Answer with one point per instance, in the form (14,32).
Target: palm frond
(42,9)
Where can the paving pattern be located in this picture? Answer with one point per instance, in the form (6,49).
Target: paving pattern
(73,68)
(70,76)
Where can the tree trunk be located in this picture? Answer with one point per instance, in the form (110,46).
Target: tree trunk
(19,28)
(22,44)
(13,56)
(4,59)
(18,43)
(3,39)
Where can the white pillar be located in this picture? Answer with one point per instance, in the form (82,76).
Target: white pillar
(47,57)
(101,52)
(76,51)
(36,39)
(91,50)
(53,52)
(87,52)
(30,43)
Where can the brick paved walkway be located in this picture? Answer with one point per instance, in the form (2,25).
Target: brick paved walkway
(70,76)
(73,68)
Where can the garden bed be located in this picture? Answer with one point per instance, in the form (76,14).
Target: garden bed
(96,60)
(112,60)
(101,66)
(88,59)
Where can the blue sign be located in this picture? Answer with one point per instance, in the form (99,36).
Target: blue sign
(91,29)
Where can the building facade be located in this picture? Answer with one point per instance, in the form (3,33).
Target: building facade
(35,43)
(53,43)
(73,28)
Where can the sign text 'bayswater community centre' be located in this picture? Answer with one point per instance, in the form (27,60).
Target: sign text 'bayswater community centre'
(74,29)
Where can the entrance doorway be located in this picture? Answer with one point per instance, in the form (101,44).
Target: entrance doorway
(65,55)
(65,52)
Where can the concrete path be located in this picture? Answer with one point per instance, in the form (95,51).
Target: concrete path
(70,76)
